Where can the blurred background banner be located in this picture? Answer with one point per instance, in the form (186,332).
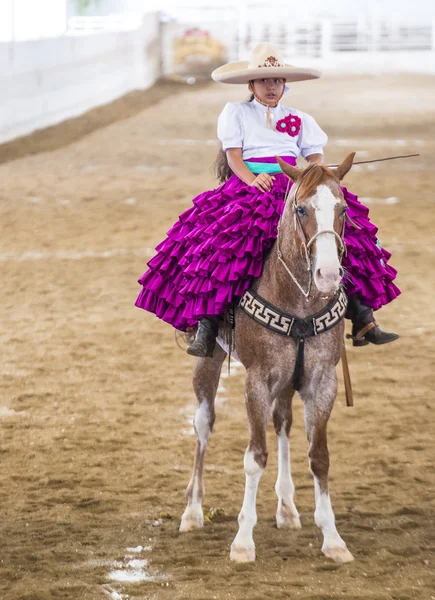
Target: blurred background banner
(59,58)
(196,54)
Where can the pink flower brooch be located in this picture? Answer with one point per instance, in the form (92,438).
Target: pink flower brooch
(291,124)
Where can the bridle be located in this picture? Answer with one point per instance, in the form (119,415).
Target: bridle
(307,245)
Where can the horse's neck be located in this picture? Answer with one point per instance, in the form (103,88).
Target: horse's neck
(275,284)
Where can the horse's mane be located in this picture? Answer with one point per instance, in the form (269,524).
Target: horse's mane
(314,178)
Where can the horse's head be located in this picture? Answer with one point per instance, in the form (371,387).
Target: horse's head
(319,209)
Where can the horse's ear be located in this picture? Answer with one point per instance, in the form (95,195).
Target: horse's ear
(289,170)
(345,166)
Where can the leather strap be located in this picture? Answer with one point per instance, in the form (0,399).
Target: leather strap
(273,319)
(268,315)
(346,376)
(361,333)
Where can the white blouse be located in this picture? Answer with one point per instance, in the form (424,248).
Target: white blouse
(243,125)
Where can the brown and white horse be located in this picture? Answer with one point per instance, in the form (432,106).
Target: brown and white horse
(315,211)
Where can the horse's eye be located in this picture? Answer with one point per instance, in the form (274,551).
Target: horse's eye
(301,211)
(343,211)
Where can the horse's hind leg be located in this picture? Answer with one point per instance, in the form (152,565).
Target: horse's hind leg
(287,515)
(206,373)
(317,410)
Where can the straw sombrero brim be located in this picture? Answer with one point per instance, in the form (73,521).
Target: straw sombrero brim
(239,72)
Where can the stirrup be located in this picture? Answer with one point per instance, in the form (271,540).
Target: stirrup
(359,339)
(373,334)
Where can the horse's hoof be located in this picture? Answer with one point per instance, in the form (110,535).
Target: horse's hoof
(338,554)
(287,521)
(242,555)
(191,519)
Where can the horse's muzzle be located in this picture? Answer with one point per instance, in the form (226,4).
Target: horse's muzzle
(328,279)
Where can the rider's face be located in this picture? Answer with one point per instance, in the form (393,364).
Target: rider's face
(270,90)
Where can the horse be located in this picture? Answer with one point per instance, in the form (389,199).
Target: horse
(310,241)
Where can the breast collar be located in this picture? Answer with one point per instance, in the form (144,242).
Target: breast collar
(266,314)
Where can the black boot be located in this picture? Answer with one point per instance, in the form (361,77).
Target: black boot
(205,339)
(364,327)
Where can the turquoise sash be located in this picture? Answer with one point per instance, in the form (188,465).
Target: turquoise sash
(259,167)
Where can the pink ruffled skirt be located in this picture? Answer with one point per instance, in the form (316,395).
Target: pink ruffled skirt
(216,248)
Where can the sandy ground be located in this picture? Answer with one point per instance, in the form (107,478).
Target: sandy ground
(96,406)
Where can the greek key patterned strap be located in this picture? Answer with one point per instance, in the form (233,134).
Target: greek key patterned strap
(263,314)
(332,316)
(270,317)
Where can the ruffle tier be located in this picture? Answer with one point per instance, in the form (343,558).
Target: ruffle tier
(367,272)
(217,247)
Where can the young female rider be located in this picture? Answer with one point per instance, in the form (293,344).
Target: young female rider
(217,246)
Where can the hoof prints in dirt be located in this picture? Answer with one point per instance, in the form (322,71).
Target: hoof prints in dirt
(130,570)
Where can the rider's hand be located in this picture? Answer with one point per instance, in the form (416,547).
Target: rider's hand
(263,182)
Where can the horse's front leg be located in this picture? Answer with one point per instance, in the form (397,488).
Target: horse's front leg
(318,401)
(287,515)
(258,402)
(206,373)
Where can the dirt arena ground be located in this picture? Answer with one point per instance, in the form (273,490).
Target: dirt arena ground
(96,438)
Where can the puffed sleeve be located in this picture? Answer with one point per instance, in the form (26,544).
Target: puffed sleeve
(312,137)
(230,126)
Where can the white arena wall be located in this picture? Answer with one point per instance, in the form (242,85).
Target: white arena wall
(44,82)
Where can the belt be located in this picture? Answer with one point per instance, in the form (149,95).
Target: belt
(259,167)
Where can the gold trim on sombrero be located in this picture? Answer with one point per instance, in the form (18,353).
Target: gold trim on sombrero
(265,61)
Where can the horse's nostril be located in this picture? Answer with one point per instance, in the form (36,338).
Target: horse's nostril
(329,275)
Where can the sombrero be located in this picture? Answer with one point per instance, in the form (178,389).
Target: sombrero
(265,62)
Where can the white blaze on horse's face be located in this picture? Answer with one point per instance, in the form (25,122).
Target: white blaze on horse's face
(326,265)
